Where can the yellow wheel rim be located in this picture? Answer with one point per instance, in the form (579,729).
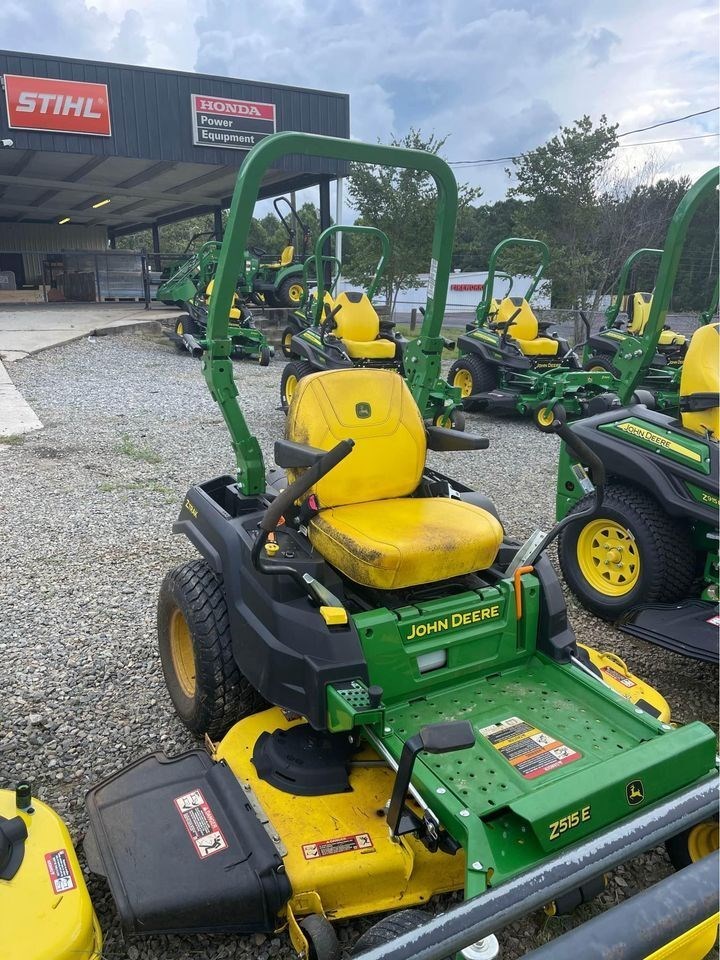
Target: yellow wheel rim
(295,292)
(442,421)
(608,557)
(464,380)
(179,329)
(703,840)
(290,387)
(181,651)
(545,416)
(597,369)
(287,340)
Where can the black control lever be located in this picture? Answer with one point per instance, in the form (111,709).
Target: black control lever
(435,738)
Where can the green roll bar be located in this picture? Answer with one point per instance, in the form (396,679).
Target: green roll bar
(611,314)
(632,367)
(349,228)
(423,355)
(483,308)
(708,314)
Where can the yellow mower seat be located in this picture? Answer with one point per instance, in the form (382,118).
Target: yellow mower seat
(286,258)
(524,328)
(234,313)
(358,326)
(639,306)
(701,375)
(369,526)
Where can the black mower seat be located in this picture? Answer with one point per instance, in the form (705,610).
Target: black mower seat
(358,326)
(369,526)
(700,383)
(524,328)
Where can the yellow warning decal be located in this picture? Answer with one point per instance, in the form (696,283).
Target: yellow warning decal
(642,434)
(328,848)
(526,748)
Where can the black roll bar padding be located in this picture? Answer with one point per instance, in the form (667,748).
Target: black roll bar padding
(448,440)
(488,912)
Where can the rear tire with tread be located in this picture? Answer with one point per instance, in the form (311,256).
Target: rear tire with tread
(296,369)
(483,376)
(389,929)
(666,553)
(221,694)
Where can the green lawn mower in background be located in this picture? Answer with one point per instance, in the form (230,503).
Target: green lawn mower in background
(648,559)
(276,281)
(393,702)
(180,279)
(346,332)
(512,362)
(248,342)
(304,316)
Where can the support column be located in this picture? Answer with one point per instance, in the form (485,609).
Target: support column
(324,223)
(218,224)
(113,243)
(338,216)
(155,231)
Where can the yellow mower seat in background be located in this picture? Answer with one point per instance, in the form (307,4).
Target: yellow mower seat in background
(286,258)
(524,328)
(234,313)
(638,307)
(358,326)
(701,374)
(369,526)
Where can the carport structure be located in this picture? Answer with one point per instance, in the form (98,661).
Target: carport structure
(130,148)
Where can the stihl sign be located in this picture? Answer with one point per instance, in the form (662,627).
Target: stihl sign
(57,106)
(239,124)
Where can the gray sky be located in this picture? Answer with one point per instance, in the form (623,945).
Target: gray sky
(498,76)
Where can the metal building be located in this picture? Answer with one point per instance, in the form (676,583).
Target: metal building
(91,151)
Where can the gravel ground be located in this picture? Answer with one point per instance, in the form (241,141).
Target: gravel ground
(86,511)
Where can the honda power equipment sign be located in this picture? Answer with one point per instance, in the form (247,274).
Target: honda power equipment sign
(57,106)
(239,124)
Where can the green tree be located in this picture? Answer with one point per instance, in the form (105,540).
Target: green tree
(402,204)
(565,184)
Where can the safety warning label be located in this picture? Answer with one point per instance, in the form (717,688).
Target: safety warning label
(200,824)
(714,621)
(327,848)
(530,751)
(619,677)
(61,875)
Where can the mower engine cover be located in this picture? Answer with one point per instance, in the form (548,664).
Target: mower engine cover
(45,909)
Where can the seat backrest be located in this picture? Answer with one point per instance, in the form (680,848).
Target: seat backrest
(234,313)
(356,319)
(375,409)
(286,257)
(525,325)
(638,309)
(701,374)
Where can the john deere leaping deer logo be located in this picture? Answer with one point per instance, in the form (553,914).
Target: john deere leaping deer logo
(635,792)
(363,410)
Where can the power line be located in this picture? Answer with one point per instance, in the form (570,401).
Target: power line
(663,123)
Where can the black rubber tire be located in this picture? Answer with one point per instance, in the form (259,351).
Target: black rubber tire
(389,929)
(287,335)
(264,358)
(678,851)
(600,360)
(667,556)
(188,326)
(321,937)
(484,376)
(298,369)
(222,694)
(538,415)
(282,293)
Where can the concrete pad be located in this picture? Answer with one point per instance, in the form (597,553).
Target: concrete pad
(29,329)
(16,414)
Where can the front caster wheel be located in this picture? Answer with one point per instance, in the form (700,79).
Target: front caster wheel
(321,937)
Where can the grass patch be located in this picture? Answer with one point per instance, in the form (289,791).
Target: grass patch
(450,333)
(15,441)
(136,452)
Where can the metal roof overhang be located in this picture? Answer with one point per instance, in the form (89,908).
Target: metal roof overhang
(44,187)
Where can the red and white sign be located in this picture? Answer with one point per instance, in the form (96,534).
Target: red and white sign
(57,106)
(60,871)
(467,286)
(238,124)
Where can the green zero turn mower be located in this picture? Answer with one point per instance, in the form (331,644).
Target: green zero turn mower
(304,316)
(45,909)
(346,332)
(649,558)
(394,703)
